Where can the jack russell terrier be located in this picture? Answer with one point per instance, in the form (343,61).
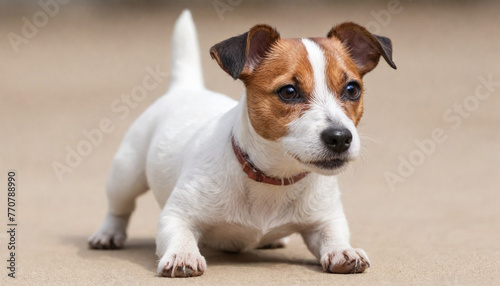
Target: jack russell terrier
(239,176)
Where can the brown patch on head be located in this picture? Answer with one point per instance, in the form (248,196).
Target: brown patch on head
(285,64)
(266,63)
(340,69)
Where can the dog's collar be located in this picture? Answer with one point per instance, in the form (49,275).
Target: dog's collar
(256,174)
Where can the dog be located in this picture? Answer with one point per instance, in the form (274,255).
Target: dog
(237,176)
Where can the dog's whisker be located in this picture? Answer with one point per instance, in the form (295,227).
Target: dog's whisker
(368,138)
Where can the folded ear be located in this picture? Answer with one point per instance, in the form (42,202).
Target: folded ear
(364,47)
(242,54)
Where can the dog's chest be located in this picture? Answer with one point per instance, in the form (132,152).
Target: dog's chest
(262,216)
(236,237)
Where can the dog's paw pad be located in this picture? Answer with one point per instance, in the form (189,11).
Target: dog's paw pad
(182,265)
(346,261)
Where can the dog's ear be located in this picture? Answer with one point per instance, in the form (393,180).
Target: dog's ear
(364,47)
(242,54)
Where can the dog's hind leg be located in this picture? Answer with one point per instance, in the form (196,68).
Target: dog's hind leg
(126,182)
(279,243)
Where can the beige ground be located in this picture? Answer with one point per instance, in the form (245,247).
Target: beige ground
(439,226)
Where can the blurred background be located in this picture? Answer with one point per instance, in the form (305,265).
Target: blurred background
(424,200)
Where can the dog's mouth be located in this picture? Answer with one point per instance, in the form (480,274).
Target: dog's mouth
(326,164)
(329,164)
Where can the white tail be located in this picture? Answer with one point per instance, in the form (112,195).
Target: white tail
(185,69)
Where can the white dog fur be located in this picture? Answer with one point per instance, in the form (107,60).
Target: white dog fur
(180,148)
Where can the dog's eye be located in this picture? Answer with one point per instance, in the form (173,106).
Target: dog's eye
(289,93)
(352,91)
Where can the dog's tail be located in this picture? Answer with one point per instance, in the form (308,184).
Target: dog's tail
(185,70)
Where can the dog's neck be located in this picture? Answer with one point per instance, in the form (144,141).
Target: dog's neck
(268,156)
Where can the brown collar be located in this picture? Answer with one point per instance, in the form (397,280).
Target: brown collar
(257,175)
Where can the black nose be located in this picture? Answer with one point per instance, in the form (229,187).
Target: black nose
(337,139)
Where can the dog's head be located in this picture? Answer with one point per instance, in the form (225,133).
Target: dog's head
(306,93)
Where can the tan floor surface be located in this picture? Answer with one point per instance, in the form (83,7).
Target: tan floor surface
(439,225)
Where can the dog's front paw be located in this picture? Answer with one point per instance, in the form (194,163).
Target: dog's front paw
(352,260)
(182,265)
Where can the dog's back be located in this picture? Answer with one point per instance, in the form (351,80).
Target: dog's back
(160,134)
(172,121)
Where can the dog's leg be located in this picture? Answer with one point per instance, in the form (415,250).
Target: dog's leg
(177,247)
(126,182)
(330,244)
